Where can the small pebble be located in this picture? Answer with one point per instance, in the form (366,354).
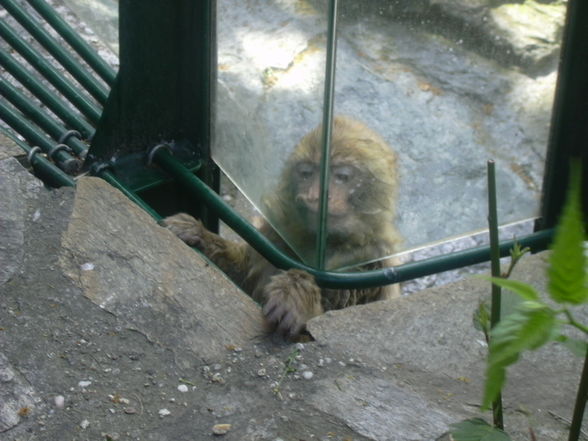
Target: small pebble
(183,388)
(217,378)
(307,375)
(221,429)
(164,412)
(130,410)
(261,372)
(87,266)
(59,401)
(84,383)
(84,424)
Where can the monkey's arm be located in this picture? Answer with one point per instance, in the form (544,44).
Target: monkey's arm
(231,257)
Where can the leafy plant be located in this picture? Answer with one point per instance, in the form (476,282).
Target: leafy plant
(534,323)
(476,429)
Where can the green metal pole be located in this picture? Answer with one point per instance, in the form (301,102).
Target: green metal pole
(97,90)
(69,91)
(328,101)
(72,37)
(495,266)
(536,241)
(46,96)
(40,117)
(21,125)
(44,169)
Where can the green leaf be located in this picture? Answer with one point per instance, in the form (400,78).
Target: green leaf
(481,318)
(567,270)
(523,289)
(577,347)
(476,429)
(533,325)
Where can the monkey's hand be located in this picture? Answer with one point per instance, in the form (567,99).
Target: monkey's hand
(229,256)
(187,228)
(291,299)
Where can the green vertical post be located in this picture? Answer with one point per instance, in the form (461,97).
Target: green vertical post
(495,269)
(164,88)
(569,125)
(328,101)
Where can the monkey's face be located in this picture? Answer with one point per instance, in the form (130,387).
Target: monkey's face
(361,195)
(347,195)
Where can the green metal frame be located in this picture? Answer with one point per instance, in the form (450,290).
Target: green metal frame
(569,125)
(163,96)
(162,93)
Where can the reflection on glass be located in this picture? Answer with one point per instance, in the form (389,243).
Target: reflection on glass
(447,87)
(446,84)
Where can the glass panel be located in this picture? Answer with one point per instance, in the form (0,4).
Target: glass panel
(271,67)
(445,85)
(449,85)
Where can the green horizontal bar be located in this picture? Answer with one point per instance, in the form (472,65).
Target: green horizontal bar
(75,41)
(34,112)
(69,91)
(329,279)
(21,125)
(109,177)
(54,48)
(43,168)
(47,97)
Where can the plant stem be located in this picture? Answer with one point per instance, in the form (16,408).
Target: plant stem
(495,263)
(574,323)
(580,403)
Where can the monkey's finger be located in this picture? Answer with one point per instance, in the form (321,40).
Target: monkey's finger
(273,312)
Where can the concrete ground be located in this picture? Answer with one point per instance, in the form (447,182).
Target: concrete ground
(112,329)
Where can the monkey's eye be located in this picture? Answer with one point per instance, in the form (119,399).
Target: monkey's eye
(343,174)
(304,170)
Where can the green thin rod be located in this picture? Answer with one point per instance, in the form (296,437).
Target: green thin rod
(328,101)
(46,170)
(47,97)
(99,92)
(495,268)
(40,117)
(368,279)
(69,91)
(109,177)
(21,125)
(75,41)
(580,406)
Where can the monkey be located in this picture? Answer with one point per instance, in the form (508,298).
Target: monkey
(362,191)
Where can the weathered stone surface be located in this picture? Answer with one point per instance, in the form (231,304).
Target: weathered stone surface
(381,410)
(432,332)
(90,348)
(8,147)
(16,187)
(17,398)
(130,266)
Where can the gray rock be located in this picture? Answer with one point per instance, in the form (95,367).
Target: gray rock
(17,398)
(17,186)
(8,147)
(83,319)
(151,279)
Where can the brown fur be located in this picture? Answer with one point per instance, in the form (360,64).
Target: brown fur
(362,193)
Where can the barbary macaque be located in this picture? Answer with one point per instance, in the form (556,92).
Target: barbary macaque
(361,204)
